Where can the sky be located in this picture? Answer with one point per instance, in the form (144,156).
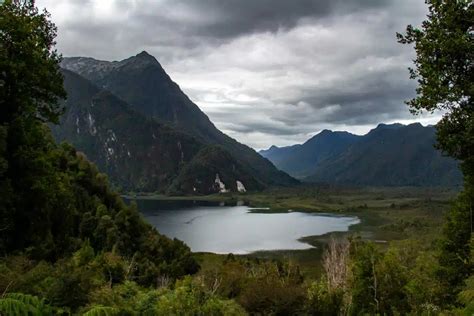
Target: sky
(266,72)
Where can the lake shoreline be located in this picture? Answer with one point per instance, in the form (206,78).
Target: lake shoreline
(225,228)
(386,215)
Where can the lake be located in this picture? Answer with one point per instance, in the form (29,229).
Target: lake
(219,228)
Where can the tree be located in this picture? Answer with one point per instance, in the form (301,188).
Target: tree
(30,89)
(52,199)
(30,82)
(444,69)
(445,72)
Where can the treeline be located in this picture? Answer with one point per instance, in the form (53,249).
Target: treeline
(69,244)
(53,201)
(359,279)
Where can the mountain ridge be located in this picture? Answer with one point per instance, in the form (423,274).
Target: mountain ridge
(149,90)
(388,155)
(300,160)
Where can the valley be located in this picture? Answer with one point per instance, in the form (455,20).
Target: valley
(388,215)
(120,196)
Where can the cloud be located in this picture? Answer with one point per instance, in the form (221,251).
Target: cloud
(265,71)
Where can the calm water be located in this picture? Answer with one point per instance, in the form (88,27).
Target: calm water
(214,227)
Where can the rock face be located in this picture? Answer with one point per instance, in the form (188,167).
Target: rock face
(137,153)
(220,185)
(146,87)
(211,170)
(240,187)
(389,155)
(142,84)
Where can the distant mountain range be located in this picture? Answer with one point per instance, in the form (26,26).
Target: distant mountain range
(137,125)
(389,155)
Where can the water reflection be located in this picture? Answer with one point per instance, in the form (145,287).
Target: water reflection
(208,226)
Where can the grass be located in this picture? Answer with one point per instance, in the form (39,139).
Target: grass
(387,215)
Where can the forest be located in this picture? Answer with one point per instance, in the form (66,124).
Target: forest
(70,245)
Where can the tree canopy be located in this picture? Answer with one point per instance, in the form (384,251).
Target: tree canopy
(30,82)
(444,69)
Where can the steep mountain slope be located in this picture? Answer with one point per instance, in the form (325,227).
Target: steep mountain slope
(136,152)
(389,155)
(302,160)
(141,82)
(392,155)
(213,167)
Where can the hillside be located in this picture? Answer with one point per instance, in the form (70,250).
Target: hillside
(389,155)
(146,87)
(301,160)
(136,152)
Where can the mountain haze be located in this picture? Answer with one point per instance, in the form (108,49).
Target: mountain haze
(389,155)
(302,159)
(131,119)
(146,87)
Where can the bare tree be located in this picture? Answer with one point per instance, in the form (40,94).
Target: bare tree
(335,263)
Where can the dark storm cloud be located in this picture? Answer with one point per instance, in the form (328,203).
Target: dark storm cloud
(232,18)
(265,71)
(366,99)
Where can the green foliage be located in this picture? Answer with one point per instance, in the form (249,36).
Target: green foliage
(190,298)
(466,296)
(29,71)
(399,280)
(444,69)
(423,291)
(323,301)
(444,52)
(261,287)
(101,311)
(199,175)
(363,282)
(22,304)
(68,238)
(455,262)
(73,233)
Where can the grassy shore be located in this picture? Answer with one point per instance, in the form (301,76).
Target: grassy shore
(387,215)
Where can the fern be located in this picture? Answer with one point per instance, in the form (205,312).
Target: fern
(23,304)
(10,306)
(100,310)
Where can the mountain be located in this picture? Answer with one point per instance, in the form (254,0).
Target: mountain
(389,155)
(138,153)
(142,83)
(301,160)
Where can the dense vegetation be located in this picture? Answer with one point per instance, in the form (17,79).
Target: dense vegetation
(389,155)
(138,153)
(145,86)
(70,245)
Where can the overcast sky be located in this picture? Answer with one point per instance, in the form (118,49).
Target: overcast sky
(265,71)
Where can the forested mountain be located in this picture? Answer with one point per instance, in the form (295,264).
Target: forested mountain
(138,153)
(389,155)
(302,159)
(60,222)
(142,83)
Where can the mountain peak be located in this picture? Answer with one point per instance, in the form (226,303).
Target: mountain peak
(144,54)
(389,126)
(325,132)
(140,59)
